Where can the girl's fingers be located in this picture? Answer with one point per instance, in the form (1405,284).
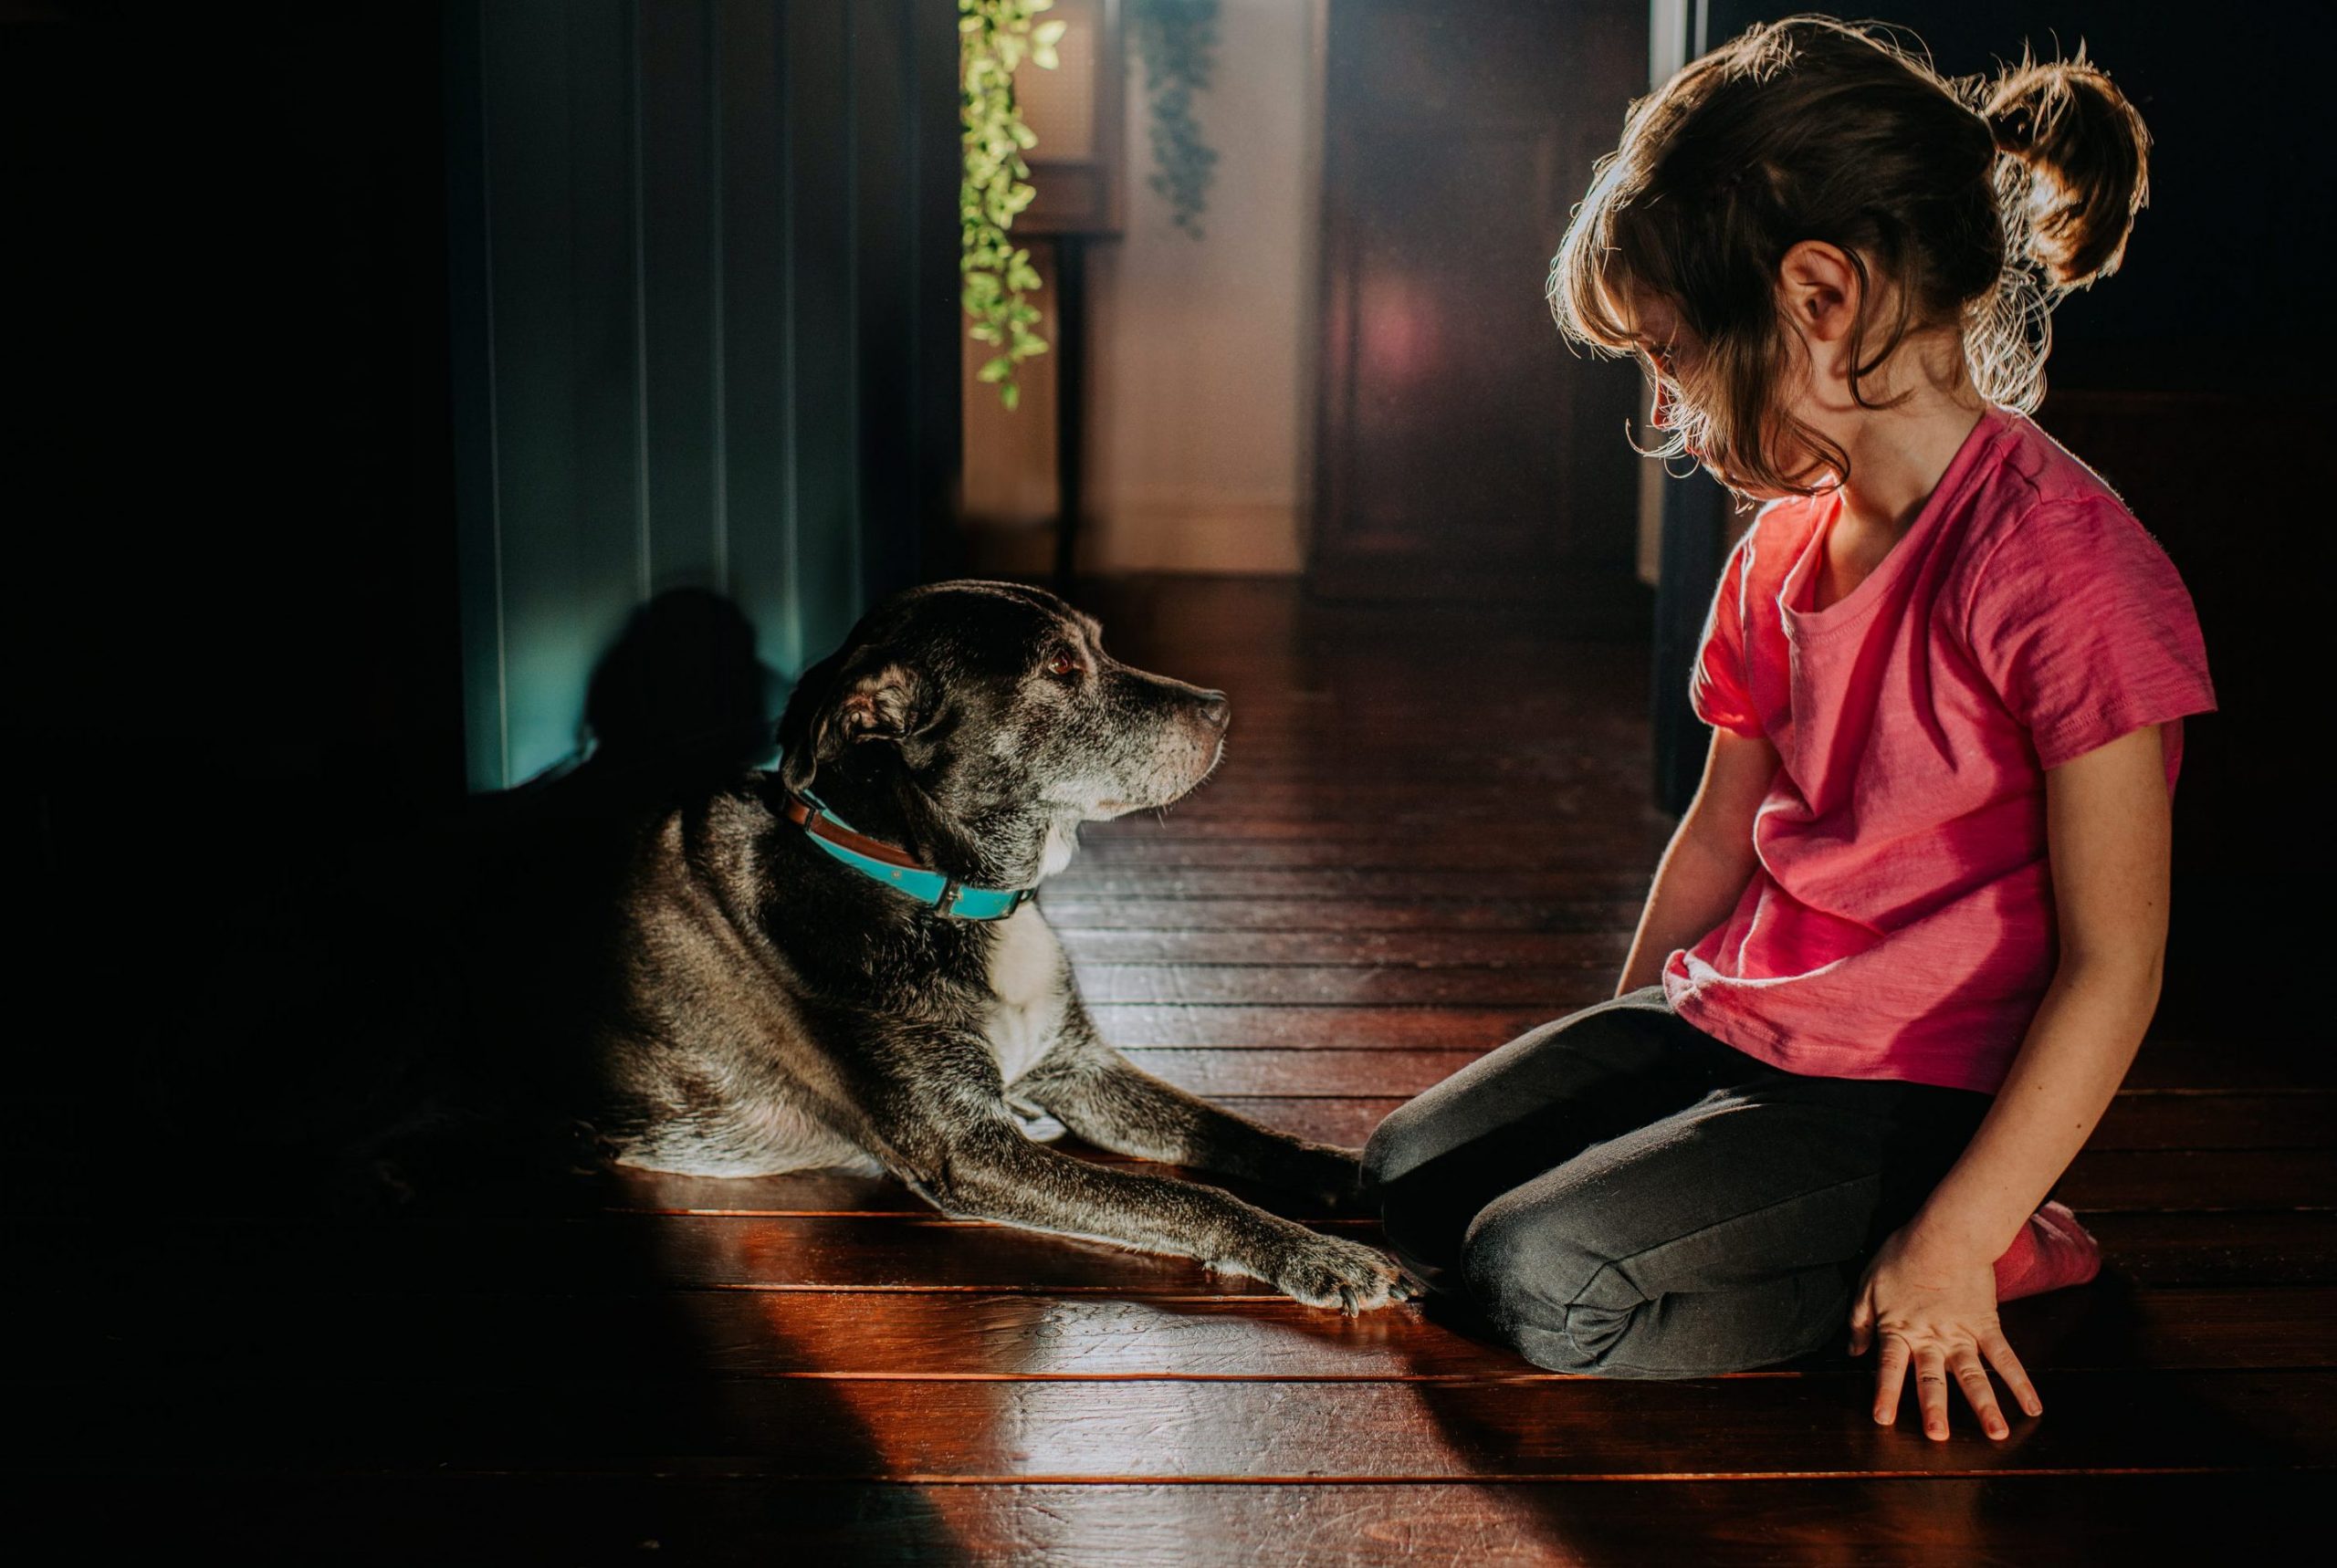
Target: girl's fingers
(1978,1392)
(1999,1353)
(1862,1323)
(1931,1391)
(1889,1378)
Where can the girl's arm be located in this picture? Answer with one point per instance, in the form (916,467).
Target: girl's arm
(1711,857)
(1931,1293)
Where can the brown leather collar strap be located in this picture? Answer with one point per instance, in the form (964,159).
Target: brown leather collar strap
(820,825)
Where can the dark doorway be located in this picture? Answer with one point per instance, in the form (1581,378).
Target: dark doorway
(1464,453)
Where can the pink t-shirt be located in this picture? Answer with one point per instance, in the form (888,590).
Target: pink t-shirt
(1899,923)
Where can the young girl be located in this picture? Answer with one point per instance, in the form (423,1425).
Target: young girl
(1906,940)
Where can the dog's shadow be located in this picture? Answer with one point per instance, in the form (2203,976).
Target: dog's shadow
(680,704)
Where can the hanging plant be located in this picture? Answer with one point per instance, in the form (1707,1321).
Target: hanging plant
(1176,39)
(994,38)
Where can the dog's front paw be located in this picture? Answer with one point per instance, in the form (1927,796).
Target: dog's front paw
(1328,1272)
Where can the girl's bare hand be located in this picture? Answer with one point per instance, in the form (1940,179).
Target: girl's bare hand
(1937,1313)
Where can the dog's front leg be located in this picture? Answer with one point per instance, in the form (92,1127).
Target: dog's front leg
(963,1151)
(1111,1102)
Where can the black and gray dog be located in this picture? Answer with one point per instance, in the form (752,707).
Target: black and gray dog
(835,965)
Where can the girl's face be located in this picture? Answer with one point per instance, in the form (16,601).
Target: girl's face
(1673,355)
(1669,351)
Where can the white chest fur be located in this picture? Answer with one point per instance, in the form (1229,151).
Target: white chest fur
(1027,980)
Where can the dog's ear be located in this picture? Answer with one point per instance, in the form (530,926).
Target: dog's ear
(833,709)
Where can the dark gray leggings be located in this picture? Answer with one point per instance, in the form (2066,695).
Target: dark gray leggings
(1618,1193)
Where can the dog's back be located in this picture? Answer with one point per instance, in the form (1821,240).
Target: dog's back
(703,1060)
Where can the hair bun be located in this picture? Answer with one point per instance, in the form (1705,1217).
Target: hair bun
(2014,128)
(2087,155)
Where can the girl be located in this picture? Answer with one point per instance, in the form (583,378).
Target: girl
(1906,940)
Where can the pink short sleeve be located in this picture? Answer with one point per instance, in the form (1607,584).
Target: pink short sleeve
(2081,624)
(1719,689)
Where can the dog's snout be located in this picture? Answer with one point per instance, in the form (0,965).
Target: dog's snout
(1216,711)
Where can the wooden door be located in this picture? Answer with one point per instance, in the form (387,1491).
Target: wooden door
(1462,450)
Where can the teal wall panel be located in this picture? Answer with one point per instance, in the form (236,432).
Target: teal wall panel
(702,261)
(760,439)
(821,222)
(562,287)
(681,248)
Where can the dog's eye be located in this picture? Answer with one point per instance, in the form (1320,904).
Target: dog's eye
(1064,665)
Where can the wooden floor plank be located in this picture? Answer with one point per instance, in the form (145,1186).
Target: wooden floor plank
(1340,884)
(1128,839)
(809,1253)
(2219,1248)
(2163,1181)
(1141,912)
(1307,985)
(1450,852)
(1379,1069)
(2162,1064)
(957,1431)
(409,1334)
(1959,1522)
(1368,949)
(2138,1118)
(1473,1030)
(2175,1181)
(1375,1071)
(2234,1119)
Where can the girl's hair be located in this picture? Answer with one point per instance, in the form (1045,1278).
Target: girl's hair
(1983,202)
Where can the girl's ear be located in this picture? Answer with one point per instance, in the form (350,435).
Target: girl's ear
(832,710)
(1820,289)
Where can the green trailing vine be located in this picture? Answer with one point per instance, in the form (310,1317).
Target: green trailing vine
(994,37)
(1176,40)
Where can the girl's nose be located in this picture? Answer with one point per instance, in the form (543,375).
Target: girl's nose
(1667,406)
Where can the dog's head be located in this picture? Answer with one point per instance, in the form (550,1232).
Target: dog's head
(986,722)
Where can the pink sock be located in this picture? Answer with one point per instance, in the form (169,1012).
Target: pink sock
(2052,1250)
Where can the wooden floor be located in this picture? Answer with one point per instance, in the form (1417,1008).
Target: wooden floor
(1429,834)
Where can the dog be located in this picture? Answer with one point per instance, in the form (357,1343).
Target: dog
(838,964)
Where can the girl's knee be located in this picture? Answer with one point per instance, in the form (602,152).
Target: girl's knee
(1568,1304)
(1529,1271)
(1564,1300)
(1396,1148)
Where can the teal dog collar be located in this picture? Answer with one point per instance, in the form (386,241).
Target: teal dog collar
(892,865)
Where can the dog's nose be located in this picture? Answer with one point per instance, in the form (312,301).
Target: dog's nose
(1216,709)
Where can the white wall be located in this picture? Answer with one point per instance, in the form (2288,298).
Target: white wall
(1202,368)
(1201,359)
